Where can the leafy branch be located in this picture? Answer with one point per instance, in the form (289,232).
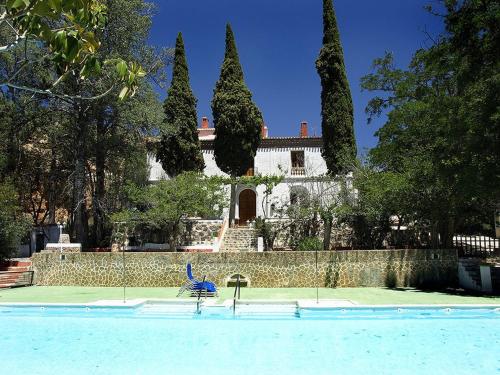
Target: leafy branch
(68,30)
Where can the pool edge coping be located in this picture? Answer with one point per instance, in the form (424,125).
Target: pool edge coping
(301,304)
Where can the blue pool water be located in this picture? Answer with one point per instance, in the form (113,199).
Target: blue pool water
(156,339)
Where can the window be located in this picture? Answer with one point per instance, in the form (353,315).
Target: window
(298,163)
(297,159)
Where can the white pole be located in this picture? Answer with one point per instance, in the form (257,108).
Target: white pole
(317,286)
(60,240)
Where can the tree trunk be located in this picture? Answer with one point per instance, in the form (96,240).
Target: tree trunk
(232,205)
(97,204)
(435,235)
(446,232)
(174,236)
(12,142)
(79,180)
(327,235)
(51,204)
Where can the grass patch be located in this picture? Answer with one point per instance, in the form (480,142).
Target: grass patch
(365,296)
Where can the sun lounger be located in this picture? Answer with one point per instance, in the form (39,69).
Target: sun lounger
(197,287)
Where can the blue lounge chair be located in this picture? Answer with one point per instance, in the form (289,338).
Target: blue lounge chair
(194,286)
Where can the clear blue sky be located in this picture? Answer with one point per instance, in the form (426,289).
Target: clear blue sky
(278,43)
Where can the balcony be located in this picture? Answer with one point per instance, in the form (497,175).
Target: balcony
(298,171)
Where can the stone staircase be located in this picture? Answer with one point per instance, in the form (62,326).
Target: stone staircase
(469,274)
(15,272)
(239,240)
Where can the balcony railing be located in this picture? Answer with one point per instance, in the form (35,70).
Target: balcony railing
(298,171)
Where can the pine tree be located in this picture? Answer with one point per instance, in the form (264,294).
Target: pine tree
(339,149)
(237,119)
(179,150)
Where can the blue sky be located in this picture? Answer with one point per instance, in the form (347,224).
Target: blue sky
(278,43)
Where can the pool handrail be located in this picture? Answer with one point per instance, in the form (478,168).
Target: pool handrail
(198,302)
(237,289)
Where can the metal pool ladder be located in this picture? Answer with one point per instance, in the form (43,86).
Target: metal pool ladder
(198,302)
(237,290)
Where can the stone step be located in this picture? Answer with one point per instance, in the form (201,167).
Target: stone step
(2,285)
(240,239)
(14,273)
(15,269)
(7,274)
(471,266)
(9,279)
(21,264)
(16,265)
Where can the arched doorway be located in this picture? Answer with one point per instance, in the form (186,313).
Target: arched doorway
(247,206)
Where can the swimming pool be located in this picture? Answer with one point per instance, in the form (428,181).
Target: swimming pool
(173,339)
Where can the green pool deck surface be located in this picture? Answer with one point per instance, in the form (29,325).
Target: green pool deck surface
(362,296)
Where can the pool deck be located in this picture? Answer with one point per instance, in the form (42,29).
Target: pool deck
(304,297)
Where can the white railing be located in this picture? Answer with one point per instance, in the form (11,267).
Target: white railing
(220,237)
(298,171)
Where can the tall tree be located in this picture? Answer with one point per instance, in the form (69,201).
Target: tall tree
(237,119)
(441,137)
(179,150)
(88,149)
(115,130)
(118,128)
(337,119)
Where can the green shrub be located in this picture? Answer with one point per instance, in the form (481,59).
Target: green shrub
(265,230)
(310,244)
(13,226)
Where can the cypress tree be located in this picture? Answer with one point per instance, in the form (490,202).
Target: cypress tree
(236,118)
(337,119)
(179,150)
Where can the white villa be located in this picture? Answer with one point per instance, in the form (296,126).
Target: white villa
(297,158)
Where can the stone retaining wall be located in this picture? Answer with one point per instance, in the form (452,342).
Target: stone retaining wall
(200,231)
(269,269)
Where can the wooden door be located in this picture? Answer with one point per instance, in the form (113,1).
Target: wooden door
(247,204)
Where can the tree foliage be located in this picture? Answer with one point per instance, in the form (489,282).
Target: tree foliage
(69,159)
(237,119)
(13,225)
(315,206)
(179,150)
(67,30)
(442,135)
(162,206)
(337,119)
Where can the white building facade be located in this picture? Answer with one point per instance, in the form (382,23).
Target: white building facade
(296,158)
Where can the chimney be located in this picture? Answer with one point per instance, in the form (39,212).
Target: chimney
(204,123)
(303,129)
(264,131)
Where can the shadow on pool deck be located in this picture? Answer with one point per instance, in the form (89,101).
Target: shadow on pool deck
(457,292)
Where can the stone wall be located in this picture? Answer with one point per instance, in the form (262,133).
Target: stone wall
(269,269)
(200,231)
